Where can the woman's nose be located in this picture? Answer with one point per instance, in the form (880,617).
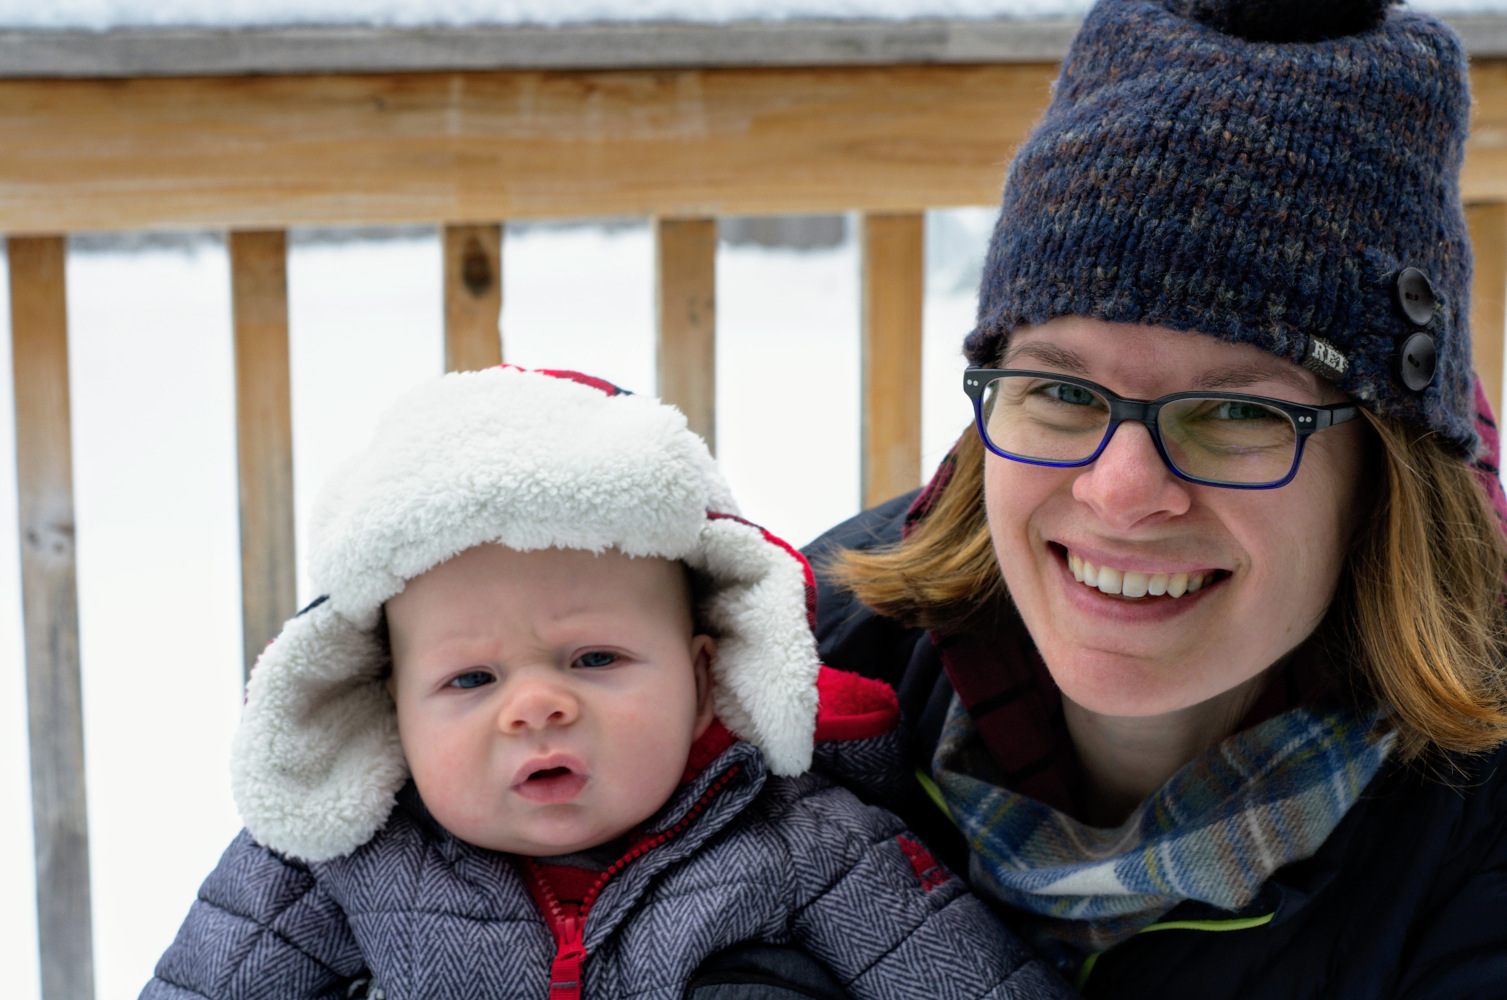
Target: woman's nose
(537,703)
(1129,483)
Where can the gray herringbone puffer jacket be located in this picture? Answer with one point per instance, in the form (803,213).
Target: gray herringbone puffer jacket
(737,855)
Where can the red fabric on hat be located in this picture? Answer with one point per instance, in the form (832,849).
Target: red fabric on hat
(1487,463)
(854,707)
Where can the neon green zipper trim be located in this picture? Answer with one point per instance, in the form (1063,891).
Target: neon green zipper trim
(935,794)
(1235,924)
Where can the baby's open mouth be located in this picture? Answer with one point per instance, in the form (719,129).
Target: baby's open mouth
(1134,585)
(555,782)
(549,772)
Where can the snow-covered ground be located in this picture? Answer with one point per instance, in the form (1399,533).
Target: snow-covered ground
(100,15)
(155,488)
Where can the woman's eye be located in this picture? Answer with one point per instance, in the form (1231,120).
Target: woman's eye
(1065,392)
(472,679)
(595,658)
(1236,410)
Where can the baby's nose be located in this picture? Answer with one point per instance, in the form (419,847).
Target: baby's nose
(537,703)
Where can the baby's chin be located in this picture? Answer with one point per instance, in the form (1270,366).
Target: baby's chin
(541,844)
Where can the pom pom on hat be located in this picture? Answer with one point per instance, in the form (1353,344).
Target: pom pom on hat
(1285,20)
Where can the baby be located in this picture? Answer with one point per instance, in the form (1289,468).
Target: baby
(551,732)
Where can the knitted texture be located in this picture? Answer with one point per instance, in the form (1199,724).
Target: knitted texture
(1215,832)
(1261,192)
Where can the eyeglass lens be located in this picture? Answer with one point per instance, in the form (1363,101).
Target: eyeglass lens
(1222,440)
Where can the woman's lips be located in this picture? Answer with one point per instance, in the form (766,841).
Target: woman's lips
(1133,594)
(549,780)
(1134,585)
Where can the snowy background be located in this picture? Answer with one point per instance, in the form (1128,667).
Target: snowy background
(154,444)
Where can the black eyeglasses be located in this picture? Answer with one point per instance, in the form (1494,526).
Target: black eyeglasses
(1211,438)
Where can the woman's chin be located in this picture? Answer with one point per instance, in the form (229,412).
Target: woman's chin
(1114,684)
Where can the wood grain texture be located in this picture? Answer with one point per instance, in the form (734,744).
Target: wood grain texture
(264,435)
(473,297)
(254,152)
(1484,177)
(352,48)
(685,296)
(893,289)
(1488,295)
(453,147)
(49,597)
(144,51)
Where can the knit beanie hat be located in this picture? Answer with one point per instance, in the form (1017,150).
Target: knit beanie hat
(529,460)
(1283,173)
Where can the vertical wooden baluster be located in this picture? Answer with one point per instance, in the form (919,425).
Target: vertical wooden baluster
(1488,295)
(473,297)
(893,288)
(264,435)
(49,588)
(685,283)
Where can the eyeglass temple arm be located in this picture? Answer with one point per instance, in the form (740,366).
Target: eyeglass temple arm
(1336,414)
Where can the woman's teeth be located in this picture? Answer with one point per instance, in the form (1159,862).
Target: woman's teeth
(1129,583)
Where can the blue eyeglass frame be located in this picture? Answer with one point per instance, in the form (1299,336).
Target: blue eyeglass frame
(1306,420)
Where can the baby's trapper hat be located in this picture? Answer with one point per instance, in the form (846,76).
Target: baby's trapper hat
(529,460)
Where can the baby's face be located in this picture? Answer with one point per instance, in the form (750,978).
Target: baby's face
(547,700)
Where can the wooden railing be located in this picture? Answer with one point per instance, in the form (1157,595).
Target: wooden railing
(851,126)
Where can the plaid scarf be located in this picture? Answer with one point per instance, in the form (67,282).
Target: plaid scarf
(1219,827)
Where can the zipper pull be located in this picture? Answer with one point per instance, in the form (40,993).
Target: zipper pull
(565,972)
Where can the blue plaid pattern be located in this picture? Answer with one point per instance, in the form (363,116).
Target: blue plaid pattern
(1214,832)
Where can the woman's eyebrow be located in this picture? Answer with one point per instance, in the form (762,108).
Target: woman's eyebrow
(1239,376)
(1059,358)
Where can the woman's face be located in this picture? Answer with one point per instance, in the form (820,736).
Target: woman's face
(1269,559)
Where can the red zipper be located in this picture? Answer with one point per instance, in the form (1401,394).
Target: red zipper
(570,932)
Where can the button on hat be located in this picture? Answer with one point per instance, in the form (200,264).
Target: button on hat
(1415,295)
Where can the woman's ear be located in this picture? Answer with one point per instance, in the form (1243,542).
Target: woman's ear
(703,653)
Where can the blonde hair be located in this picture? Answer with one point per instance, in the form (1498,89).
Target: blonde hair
(1419,612)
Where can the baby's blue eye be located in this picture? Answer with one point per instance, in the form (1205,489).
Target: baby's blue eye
(472,679)
(595,658)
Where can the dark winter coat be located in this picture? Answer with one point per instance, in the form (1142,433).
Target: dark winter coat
(742,856)
(1406,899)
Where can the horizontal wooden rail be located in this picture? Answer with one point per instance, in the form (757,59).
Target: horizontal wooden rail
(249,48)
(356,48)
(270,152)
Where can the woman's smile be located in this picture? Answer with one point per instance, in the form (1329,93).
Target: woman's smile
(1097,573)
(1138,586)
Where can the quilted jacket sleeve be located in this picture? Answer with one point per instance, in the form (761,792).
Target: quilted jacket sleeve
(261,927)
(887,918)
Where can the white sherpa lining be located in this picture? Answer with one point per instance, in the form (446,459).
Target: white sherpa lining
(529,461)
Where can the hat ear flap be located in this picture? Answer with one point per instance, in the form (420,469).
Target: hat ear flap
(764,675)
(316,762)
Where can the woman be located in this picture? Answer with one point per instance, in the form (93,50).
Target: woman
(1225,666)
